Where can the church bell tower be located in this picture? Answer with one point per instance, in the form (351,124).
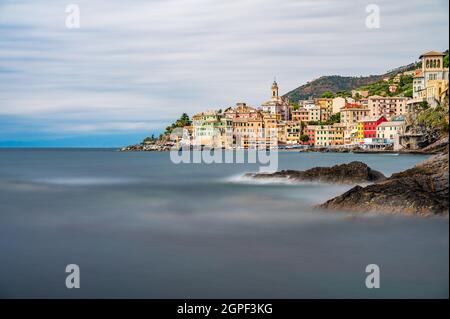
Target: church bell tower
(274,90)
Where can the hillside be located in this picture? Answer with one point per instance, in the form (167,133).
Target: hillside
(336,83)
(331,83)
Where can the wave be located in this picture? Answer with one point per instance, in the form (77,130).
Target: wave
(248,180)
(242,179)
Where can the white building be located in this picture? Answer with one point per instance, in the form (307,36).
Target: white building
(387,131)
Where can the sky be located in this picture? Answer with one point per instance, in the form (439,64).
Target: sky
(132,67)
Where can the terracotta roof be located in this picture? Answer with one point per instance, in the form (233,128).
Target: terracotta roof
(371,119)
(352,106)
(418,74)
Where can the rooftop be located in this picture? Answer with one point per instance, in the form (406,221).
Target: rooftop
(394,123)
(432,53)
(371,119)
(352,106)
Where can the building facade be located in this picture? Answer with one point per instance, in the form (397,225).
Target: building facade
(387,106)
(370,124)
(387,131)
(300,115)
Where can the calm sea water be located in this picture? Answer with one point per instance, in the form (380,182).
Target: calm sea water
(140,226)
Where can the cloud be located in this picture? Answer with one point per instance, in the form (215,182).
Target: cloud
(149,61)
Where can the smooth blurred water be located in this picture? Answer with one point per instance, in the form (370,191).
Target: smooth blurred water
(140,226)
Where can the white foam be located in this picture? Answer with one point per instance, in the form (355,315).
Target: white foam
(242,179)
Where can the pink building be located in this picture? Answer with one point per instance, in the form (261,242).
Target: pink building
(387,106)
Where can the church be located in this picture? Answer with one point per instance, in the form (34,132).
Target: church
(277,105)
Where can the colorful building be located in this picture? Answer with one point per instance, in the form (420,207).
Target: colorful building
(337,104)
(370,124)
(329,135)
(300,115)
(292,132)
(387,131)
(326,106)
(351,113)
(360,132)
(315,114)
(387,106)
(249,133)
(211,129)
(339,130)
(310,131)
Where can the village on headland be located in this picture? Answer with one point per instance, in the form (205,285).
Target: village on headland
(410,115)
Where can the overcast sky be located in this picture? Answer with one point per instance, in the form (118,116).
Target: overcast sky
(134,66)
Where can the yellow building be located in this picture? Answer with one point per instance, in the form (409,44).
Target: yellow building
(292,132)
(325,135)
(436,91)
(360,132)
(338,134)
(281,132)
(351,114)
(270,130)
(324,103)
(248,132)
(435,77)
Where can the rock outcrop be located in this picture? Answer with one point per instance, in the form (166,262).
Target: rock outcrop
(354,172)
(421,190)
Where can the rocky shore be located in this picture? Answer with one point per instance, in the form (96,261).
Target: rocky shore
(421,190)
(354,172)
(145,148)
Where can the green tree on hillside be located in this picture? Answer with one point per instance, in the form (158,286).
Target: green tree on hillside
(335,118)
(184,120)
(150,140)
(328,95)
(434,118)
(344,94)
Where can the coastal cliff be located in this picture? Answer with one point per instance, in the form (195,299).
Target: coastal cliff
(421,190)
(354,172)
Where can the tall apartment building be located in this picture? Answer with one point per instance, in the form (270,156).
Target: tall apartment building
(300,115)
(387,106)
(351,113)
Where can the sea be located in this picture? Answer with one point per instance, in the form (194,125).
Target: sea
(137,225)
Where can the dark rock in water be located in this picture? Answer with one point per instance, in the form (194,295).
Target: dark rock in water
(354,172)
(421,190)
